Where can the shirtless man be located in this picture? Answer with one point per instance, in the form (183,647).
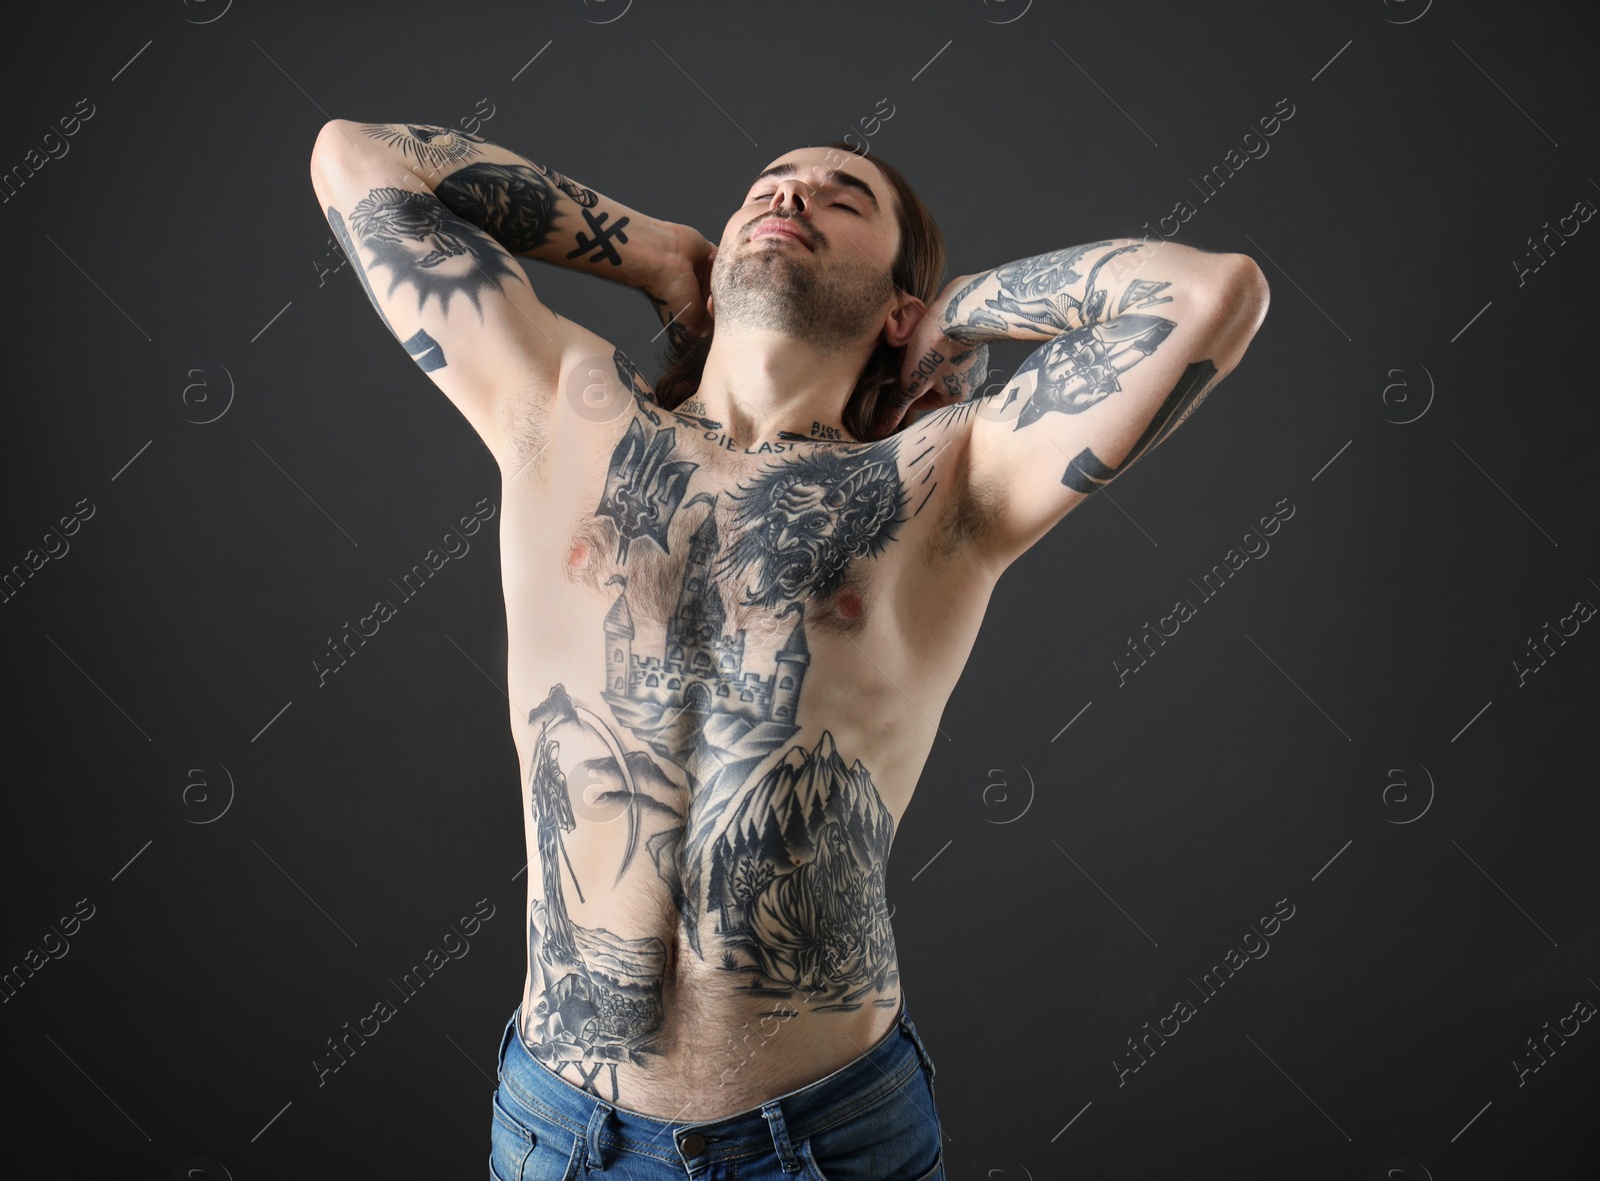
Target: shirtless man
(737,604)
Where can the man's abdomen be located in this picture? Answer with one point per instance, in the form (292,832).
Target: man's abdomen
(707,925)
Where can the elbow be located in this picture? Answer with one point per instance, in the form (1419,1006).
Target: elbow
(1240,294)
(1249,290)
(322,150)
(328,136)
(334,138)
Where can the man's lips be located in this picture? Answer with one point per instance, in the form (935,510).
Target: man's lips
(775,225)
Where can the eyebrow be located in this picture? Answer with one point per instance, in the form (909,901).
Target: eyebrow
(843,179)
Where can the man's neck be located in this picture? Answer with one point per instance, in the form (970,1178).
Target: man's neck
(763,386)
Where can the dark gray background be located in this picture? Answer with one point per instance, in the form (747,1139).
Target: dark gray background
(179,242)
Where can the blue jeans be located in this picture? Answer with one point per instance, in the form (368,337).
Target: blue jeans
(873,1119)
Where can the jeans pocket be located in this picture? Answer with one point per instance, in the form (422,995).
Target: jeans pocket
(813,1171)
(519,1152)
(892,1142)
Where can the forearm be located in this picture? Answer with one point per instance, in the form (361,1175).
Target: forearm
(530,209)
(1041,297)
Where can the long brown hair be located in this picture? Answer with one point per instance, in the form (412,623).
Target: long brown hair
(917,270)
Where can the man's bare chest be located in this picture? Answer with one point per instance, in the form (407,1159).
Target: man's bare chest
(700,541)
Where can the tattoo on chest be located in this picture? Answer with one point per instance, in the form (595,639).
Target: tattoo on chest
(771,853)
(644,487)
(800,523)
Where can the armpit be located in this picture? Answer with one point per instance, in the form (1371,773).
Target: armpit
(968,515)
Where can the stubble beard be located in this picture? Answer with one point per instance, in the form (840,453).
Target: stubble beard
(827,306)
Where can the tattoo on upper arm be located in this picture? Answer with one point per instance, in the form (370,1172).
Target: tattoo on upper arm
(424,350)
(515,204)
(1079,369)
(1086,473)
(1083,365)
(435,147)
(1031,297)
(1141,293)
(421,243)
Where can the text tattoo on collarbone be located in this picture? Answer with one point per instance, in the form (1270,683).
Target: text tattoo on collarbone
(773,865)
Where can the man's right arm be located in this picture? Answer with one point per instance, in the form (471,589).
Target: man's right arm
(430,219)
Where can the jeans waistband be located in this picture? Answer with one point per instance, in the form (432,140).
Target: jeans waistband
(841,1095)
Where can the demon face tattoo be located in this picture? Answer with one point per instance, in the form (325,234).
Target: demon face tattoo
(800,524)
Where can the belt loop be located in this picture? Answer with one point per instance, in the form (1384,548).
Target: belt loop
(597,1118)
(506,1035)
(773,1113)
(922,1051)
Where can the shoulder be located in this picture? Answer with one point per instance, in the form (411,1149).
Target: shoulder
(593,392)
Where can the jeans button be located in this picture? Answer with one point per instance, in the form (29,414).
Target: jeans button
(693,1144)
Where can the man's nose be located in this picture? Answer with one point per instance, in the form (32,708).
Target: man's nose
(793,193)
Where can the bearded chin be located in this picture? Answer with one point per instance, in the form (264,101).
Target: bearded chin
(782,295)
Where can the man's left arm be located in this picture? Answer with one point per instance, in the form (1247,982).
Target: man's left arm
(1136,334)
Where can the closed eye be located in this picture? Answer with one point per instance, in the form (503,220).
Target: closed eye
(836,204)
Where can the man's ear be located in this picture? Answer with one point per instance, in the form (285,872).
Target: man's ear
(902,320)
